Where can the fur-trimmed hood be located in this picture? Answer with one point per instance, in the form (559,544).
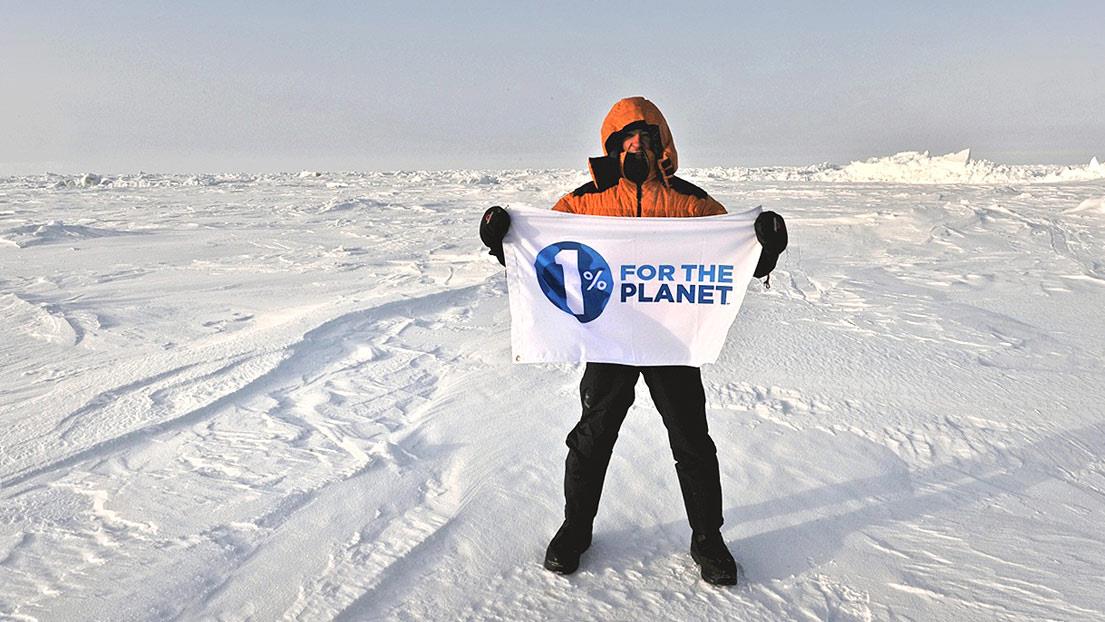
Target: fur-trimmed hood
(634,113)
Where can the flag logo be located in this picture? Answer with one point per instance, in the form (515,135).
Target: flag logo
(575,278)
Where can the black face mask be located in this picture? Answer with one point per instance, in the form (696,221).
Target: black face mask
(635,167)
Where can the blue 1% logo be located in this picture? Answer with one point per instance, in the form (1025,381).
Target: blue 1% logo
(575,278)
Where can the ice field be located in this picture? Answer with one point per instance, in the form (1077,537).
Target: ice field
(290,396)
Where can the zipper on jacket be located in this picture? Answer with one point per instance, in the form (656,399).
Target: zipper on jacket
(638,200)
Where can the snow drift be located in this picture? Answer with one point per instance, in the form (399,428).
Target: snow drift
(913,167)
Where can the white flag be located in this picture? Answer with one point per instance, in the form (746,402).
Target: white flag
(638,291)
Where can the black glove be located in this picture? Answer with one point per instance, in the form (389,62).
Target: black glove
(493,227)
(771,231)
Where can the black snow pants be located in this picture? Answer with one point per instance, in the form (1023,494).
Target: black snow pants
(607,393)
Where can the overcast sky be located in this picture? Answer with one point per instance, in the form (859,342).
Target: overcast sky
(127,86)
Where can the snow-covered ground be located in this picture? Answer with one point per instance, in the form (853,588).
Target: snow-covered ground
(290,397)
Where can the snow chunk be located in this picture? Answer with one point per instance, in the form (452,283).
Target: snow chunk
(37,321)
(87,180)
(53,232)
(356,203)
(90,179)
(913,166)
(1089,205)
(220,179)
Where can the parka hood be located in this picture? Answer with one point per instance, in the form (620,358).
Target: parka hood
(640,113)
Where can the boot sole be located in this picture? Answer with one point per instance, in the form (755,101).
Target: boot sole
(721,580)
(559,568)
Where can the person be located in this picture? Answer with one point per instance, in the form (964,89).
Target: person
(636,177)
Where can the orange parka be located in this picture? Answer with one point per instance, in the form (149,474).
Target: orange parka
(661,194)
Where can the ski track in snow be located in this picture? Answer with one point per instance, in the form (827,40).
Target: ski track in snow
(290,397)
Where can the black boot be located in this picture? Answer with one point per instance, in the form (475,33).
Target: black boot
(570,541)
(710,553)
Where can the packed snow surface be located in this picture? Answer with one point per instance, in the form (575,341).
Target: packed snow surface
(290,396)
